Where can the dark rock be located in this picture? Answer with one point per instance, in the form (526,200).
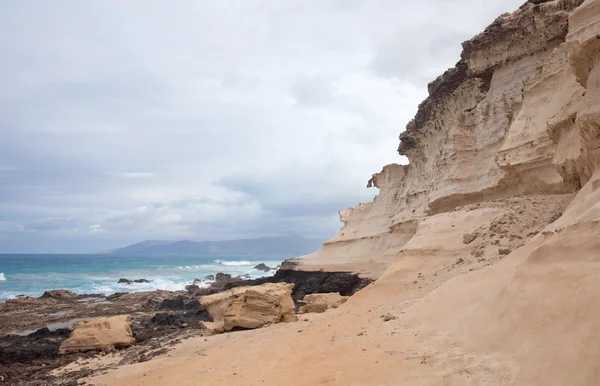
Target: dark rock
(503,251)
(309,282)
(192,288)
(163,322)
(28,360)
(262,267)
(222,277)
(180,303)
(209,277)
(116,295)
(58,294)
(129,281)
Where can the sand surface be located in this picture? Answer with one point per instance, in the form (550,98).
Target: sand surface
(454,326)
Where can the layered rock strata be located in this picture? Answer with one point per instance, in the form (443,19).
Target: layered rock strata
(511,119)
(99,334)
(249,307)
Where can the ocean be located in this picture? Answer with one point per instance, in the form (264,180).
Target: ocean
(86,274)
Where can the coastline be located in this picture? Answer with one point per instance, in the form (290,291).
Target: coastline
(32,329)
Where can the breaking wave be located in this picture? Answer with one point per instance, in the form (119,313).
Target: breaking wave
(2,277)
(234,263)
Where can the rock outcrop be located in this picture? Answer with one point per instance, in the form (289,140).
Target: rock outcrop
(249,307)
(306,282)
(262,267)
(99,334)
(129,281)
(509,120)
(58,294)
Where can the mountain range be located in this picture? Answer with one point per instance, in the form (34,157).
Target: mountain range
(296,245)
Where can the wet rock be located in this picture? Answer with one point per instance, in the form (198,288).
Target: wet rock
(99,334)
(116,295)
(162,323)
(209,277)
(310,282)
(262,267)
(58,294)
(180,303)
(221,277)
(164,319)
(192,288)
(27,360)
(129,281)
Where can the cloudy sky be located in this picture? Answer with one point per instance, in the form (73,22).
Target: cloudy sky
(129,120)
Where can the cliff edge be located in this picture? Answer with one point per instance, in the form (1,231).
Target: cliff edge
(507,121)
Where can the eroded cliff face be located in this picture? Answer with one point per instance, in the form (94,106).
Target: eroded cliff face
(487,259)
(514,118)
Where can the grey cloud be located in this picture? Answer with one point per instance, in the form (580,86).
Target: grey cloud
(312,91)
(50,224)
(121,121)
(418,60)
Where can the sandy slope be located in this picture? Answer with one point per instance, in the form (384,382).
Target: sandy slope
(477,327)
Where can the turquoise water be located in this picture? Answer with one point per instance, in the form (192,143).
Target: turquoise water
(33,274)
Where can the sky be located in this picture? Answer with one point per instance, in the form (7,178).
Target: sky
(122,121)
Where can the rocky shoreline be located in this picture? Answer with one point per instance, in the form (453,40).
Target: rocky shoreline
(32,329)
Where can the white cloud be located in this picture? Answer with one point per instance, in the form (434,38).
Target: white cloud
(96,228)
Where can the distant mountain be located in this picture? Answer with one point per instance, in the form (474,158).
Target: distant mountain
(296,245)
(140,247)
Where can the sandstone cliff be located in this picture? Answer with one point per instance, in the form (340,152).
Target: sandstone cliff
(486,246)
(511,119)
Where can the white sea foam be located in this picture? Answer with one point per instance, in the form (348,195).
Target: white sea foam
(2,277)
(234,263)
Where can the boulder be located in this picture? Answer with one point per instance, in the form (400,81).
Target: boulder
(262,267)
(129,281)
(321,302)
(209,277)
(99,334)
(192,288)
(222,277)
(58,294)
(249,307)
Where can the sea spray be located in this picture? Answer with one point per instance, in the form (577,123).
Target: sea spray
(2,277)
